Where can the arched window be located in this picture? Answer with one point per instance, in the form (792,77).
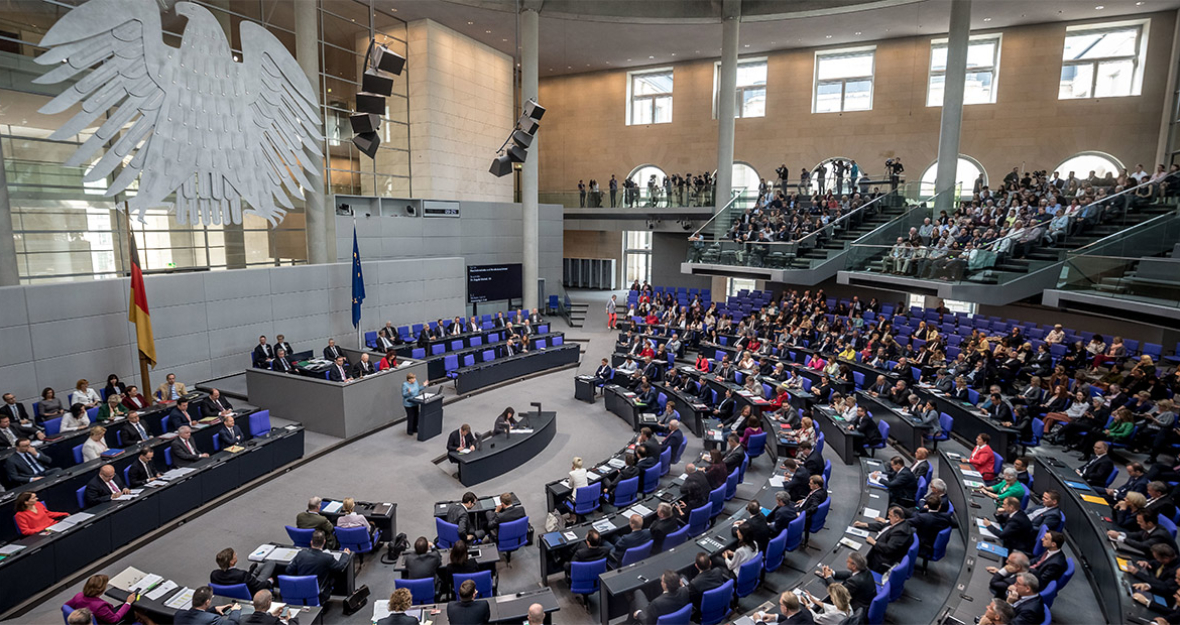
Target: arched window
(966,172)
(745,177)
(643,176)
(1085,162)
(847,185)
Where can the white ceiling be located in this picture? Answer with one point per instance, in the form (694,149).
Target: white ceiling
(583,45)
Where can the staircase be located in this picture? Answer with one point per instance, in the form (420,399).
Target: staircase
(836,245)
(576,314)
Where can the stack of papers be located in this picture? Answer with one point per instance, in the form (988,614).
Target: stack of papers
(856,531)
(616,463)
(333,507)
(871,513)
(10,550)
(984,530)
(161,590)
(851,544)
(260,553)
(972,474)
(149,581)
(776,481)
(176,474)
(604,525)
(70,521)
(972,484)
(283,554)
(183,600)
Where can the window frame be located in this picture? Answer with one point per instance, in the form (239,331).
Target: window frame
(738,90)
(642,254)
(843,82)
(650,99)
(1138,59)
(995,67)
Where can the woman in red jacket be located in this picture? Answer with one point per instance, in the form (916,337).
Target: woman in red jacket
(32,516)
(702,364)
(983,459)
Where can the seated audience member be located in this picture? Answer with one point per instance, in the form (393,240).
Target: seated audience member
(505,512)
(11,432)
(857,580)
(81,616)
(461,440)
(349,517)
(1025,602)
(504,421)
(95,444)
(321,564)
(180,416)
(311,519)
(84,395)
(282,344)
(590,550)
(111,408)
(184,449)
(331,352)
(891,543)
(664,524)
(388,361)
(133,400)
(263,354)
(459,515)
(1052,564)
(717,471)
(901,483)
(629,470)
(257,578)
(282,363)
(229,434)
(266,614)
(833,613)
(1096,471)
(50,406)
(1048,514)
(746,550)
(998,612)
(424,562)
(983,459)
(32,516)
(170,389)
(1016,532)
(91,599)
(459,561)
(339,372)
(468,610)
(27,464)
(399,603)
(106,486)
(1155,576)
(708,577)
(672,598)
(1003,576)
(203,611)
(1150,533)
(1008,486)
(14,410)
(363,367)
(216,405)
(637,536)
(75,420)
(143,470)
(755,525)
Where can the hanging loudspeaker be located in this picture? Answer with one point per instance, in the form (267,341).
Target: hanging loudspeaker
(364,123)
(501,166)
(370,103)
(521,138)
(386,60)
(517,154)
(374,82)
(527,124)
(533,110)
(367,143)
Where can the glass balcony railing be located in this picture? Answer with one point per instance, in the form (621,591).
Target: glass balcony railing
(641,198)
(1139,265)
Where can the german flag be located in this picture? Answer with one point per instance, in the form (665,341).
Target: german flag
(137,310)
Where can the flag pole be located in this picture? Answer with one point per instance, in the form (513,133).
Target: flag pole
(144,375)
(360,343)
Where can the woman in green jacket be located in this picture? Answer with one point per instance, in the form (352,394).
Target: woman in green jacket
(1008,486)
(112,409)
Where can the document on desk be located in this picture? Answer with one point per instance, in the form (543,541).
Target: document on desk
(283,554)
(155,483)
(616,463)
(872,513)
(521,431)
(592,476)
(640,509)
(604,525)
(851,544)
(972,484)
(856,531)
(78,517)
(333,507)
(127,580)
(260,553)
(380,610)
(129,496)
(183,600)
(159,591)
(972,474)
(776,481)
(984,529)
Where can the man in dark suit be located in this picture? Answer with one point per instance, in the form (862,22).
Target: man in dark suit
(673,598)
(725,409)
(928,522)
(1004,576)
(891,543)
(664,524)
(281,343)
(1136,482)
(105,486)
(282,363)
(1098,469)
(230,434)
(467,610)
(902,485)
(812,459)
(215,405)
(1016,531)
(1150,533)
(1158,574)
(461,440)
(261,615)
(12,431)
(202,611)
(338,372)
(784,512)
(184,449)
(858,580)
(880,388)
(363,367)
(755,526)
(1051,565)
(331,352)
(1048,514)
(506,511)
(135,431)
(321,564)
(694,493)
(263,353)
(459,515)
(646,440)
(143,470)
(179,416)
(256,579)
(27,464)
(793,612)
(735,454)
(865,424)
(707,578)
(1023,597)
(921,466)
(591,550)
(675,437)
(636,537)
(424,562)
(797,480)
(15,410)
(630,469)
(815,497)
(651,370)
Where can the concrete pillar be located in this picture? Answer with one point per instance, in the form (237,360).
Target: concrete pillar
(9,275)
(529,22)
(321,221)
(952,103)
(727,86)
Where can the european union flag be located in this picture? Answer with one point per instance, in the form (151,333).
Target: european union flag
(358,282)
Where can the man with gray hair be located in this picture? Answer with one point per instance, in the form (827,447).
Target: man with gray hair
(1023,597)
(81,616)
(858,580)
(784,512)
(998,613)
(184,448)
(311,519)
(664,524)
(694,493)
(1004,576)
(263,599)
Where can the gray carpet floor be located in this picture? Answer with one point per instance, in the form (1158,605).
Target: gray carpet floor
(392,466)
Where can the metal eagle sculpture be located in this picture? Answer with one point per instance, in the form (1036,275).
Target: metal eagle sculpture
(224,136)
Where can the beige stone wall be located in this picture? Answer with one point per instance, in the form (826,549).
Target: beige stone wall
(585,135)
(461,110)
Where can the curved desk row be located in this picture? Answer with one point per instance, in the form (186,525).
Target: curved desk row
(486,374)
(498,455)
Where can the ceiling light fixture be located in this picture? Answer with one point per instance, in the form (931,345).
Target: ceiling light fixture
(858,32)
(827,36)
(987,19)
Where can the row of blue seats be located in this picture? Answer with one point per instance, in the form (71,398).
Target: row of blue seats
(409,333)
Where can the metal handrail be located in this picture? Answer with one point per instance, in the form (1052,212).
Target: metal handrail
(905,214)
(1104,240)
(735,194)
(832,226)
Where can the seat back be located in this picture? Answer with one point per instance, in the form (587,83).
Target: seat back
(584,576)
(356,539)
(300,537)
(418,353)
(679,451)
(883,428)
(731,483)
(233,591)
(1049,593)
(665,461)
(1067,575)
(626,492)
(679,617)
(757,445)
(698,520)
(795,531)
(999,462)
(651,478)
(513,535)
(637,553)
(742,469)
(1113,474)
(820,517)
(77,449)
(715,603)
(456,345)
(488,355)
(876,614)
(775,550)
(827,472)
(80,496)
(717,501)
(749,574)
(450,362)
(259,423)
(421,590)
(300,589)
(448,533)
(677,538)
(898,578)
(482,579)
(52,426)
(1168,524)
(940,543)
(438,348)
(587,498)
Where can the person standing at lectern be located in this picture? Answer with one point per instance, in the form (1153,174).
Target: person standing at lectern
(410,388)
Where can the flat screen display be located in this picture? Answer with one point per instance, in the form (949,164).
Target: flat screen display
(490,283)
